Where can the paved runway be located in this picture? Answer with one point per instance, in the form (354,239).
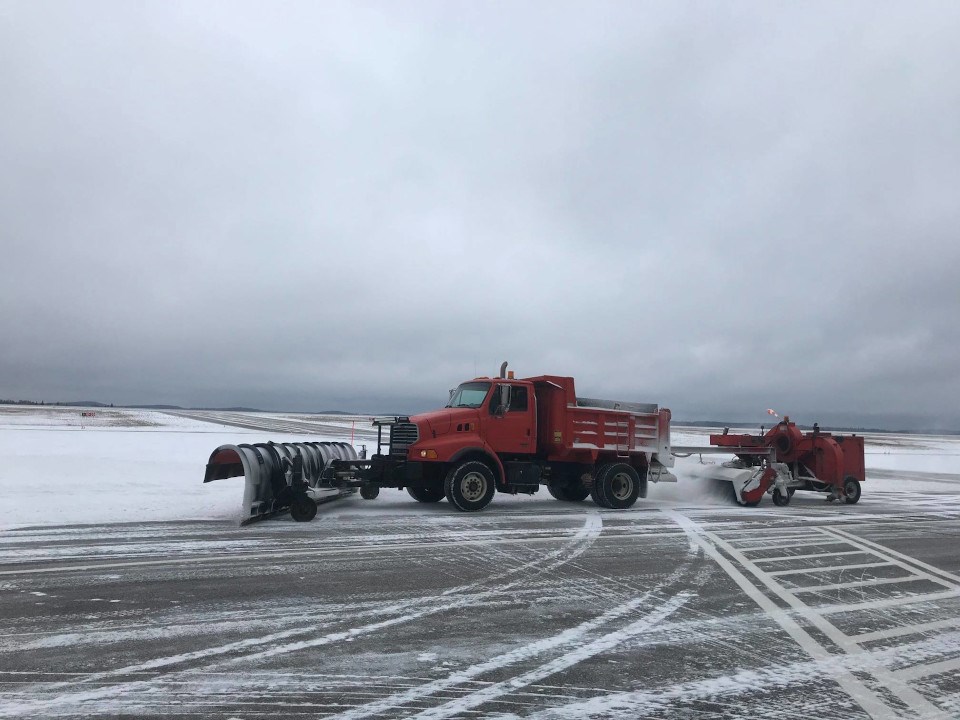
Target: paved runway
(532,608)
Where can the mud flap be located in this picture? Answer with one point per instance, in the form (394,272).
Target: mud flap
(268,471)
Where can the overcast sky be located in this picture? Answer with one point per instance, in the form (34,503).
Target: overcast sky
(720,207)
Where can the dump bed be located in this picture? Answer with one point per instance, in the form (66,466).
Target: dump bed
(583,429)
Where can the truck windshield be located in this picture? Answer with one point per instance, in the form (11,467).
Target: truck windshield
(469,395)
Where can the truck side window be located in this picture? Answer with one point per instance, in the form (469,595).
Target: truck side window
(518,399)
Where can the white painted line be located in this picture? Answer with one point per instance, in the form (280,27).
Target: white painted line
(919,671)
(860,542)
(888,602)
(782,546)
(864,696)
(906,630)
(782,558)
(856,583)
(911,567)
(856,566)
(814,615)
(766,541)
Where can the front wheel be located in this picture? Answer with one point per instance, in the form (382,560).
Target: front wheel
(470,486)
(303,508)
(851,491)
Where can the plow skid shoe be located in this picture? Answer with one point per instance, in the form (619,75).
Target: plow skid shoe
(267,468)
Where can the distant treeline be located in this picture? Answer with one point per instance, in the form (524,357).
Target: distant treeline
(43,403)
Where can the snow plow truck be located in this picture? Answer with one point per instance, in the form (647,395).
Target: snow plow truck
(500,434)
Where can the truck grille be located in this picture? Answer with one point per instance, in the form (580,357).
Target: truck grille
(402,436)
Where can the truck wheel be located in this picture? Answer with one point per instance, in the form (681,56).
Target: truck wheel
(851,491)
(781,499)
(425,495)
(618,485)
(303,508)
(469,487)
(369,492)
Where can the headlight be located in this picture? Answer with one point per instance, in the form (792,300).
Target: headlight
(428,454)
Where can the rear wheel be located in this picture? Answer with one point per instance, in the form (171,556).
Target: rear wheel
(425,494)
(617,486)
(369,492)
(303,508)
(851,491)
(470,486)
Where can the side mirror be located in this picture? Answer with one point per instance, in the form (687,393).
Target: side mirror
(503,404)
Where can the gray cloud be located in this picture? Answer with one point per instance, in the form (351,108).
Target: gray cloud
(721,208)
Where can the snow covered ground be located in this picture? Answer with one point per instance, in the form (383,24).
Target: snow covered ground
(127,590)
(136,465)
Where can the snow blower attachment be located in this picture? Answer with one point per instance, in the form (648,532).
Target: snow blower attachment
(785,460)
(282,477)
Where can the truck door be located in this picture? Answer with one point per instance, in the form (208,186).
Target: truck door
(511,429)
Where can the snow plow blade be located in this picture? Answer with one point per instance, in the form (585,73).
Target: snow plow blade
(281,477)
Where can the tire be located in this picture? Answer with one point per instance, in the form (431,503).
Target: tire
(617,485)
(781,499)
(470,486)
(369,492)
(851,491)
(595,492)
(425,494)
(568,491)
(303,508)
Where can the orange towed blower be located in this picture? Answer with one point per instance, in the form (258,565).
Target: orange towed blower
(786,459)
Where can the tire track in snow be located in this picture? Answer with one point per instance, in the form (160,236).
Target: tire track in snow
(564,662)
(403,612)
(527,652)
(571,636)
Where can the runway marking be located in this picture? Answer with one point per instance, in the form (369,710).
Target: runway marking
(783,546)
(855,584)
(905,630)
(920,671)
(781,558)
(875,547)
(871,702)
(829,568)
(901,600)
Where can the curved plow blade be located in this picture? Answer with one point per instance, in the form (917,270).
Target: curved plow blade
(275,473)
